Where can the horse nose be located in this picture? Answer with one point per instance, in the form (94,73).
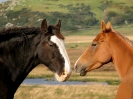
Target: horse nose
(77,68)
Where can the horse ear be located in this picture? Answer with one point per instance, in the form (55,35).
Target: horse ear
(103,26)
(109,26)
(58,24)
(44,28)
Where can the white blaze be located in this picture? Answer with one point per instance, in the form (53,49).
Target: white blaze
(62,49)
(76,63)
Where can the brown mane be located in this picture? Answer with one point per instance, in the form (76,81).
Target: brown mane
(126,39)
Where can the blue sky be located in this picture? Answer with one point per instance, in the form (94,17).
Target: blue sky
(2,0)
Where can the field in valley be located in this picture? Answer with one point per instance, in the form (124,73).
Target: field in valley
(66,92)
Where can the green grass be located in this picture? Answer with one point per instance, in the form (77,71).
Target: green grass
(125,30)
(110,77)
(44,5)
(93,31)
(66,92)
(77,45)
(53,5)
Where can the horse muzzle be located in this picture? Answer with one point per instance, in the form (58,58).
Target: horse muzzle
(63,77)
(80,70)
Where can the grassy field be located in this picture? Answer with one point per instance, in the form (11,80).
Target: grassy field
(93,31)
(66,92)
(53,5)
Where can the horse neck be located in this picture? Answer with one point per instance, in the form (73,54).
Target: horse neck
(22,59)
(122,54)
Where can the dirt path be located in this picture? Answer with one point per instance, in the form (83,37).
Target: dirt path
(80,39)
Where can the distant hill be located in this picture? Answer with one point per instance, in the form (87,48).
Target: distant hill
(74,14)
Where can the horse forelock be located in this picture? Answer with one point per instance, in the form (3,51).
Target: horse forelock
(55,31)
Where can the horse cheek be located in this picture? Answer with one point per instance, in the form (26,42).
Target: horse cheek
(44,54)
(104,57)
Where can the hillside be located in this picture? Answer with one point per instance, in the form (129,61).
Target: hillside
(74,14)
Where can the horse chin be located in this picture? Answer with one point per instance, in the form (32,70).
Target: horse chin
(63,77)
(94,66)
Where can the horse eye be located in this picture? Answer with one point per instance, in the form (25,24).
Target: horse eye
(50,45)
(94,44)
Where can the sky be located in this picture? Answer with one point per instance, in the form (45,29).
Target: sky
(2,0)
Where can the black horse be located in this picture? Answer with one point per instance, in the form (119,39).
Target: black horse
(23,48)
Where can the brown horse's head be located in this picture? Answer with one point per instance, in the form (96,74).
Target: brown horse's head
(97,54)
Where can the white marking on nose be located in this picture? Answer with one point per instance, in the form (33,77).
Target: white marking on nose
(76,63)
(60,43)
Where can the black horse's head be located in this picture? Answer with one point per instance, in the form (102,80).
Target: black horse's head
(52,52)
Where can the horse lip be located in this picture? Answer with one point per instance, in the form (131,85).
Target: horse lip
(82,72)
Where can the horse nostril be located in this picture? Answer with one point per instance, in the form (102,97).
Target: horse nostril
(75,67)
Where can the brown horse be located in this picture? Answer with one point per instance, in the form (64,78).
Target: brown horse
(110,46)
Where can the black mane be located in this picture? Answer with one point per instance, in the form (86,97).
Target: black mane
(9,33)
